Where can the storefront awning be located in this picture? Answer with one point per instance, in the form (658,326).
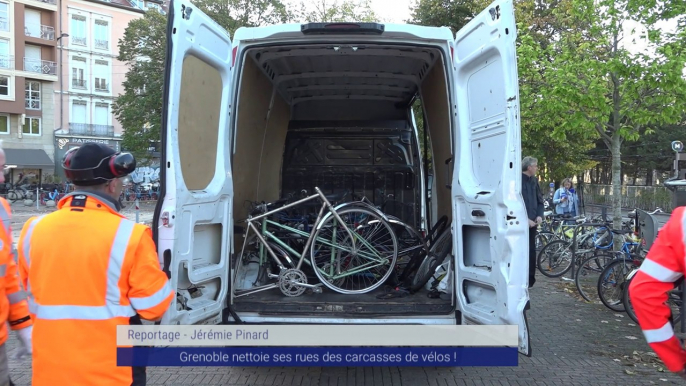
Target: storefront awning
(28,159)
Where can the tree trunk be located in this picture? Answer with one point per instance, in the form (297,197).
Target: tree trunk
(649,177)
(616,181)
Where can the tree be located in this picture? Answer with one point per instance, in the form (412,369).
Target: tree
(444,13)
(139,109)
(331,11)
(596,87)
(143,49)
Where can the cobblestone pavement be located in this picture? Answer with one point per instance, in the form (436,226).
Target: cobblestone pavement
(573,343)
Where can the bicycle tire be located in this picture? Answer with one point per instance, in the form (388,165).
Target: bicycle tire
(543,238)
(623,267)
(436,256)
(370,216)
(550,248)
(585,283)
(626,301)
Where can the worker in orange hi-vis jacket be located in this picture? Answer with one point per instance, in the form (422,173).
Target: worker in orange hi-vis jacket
(87,269)
(663,266)
(14,309)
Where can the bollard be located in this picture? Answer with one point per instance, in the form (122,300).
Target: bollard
(137,211)
(37,198)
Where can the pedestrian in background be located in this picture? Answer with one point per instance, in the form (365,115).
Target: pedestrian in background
(565,199)
(533,200)
(105,273)
(14,308)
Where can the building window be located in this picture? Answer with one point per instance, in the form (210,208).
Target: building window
(32,95)
(101,76)
(5,58)
(78,30)
(102,40)
(4,16)
(78,80)
(78,112)
(4,85)
(4,124)
(31,126)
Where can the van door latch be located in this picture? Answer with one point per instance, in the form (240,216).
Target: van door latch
(511,217)
(478,213)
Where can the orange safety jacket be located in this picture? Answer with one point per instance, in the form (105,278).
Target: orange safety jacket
(14,309)
(87,269)
(664,264)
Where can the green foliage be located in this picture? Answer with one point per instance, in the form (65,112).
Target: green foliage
(332,11)
(443,13)
(595,87)
(139,109)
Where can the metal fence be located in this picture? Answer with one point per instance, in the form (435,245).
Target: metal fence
(643,197)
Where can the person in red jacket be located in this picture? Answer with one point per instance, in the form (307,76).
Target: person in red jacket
(662,267)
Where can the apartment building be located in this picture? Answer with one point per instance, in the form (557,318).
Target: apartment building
(92,77)
(28,74)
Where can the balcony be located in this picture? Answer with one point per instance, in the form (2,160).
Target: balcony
(7,62)
(39,66)
(53,2)
(102,87)
(44,32)
(92,130)
(101,44)
(79,40)
(79,83)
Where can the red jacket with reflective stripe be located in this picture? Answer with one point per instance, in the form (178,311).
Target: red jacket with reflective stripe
(13,306)
(87,270)
(663,265)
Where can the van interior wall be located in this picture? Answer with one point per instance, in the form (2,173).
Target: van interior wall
(435,100)
(260,139)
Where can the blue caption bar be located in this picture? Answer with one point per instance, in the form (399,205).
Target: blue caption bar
(317,356)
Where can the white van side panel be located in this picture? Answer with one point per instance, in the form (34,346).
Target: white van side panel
(195,212)
(490,219)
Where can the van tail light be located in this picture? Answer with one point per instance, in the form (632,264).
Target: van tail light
(343,28)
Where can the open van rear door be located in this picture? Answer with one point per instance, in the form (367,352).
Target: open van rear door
(490,221)
(193,217)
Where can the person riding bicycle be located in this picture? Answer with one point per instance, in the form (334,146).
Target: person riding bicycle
(659,273)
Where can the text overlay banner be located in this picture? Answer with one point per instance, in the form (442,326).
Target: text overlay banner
(318,335)
(317,356)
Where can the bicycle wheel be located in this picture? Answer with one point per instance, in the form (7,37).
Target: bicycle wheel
(12,196)
(436,256)
(543,238)
(588,274)
(555,259)
(626,301)
(359,266)
(612,281)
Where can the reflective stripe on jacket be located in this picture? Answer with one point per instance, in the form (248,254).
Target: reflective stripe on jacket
(663,265)
(14,309)
(87,269)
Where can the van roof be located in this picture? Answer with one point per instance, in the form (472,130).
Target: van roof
(392,31)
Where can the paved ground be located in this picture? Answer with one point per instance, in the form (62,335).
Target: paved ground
(573,343)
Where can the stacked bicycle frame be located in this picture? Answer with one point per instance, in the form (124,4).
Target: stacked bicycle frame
(348,247)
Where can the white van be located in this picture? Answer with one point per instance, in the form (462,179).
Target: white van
(230,107)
